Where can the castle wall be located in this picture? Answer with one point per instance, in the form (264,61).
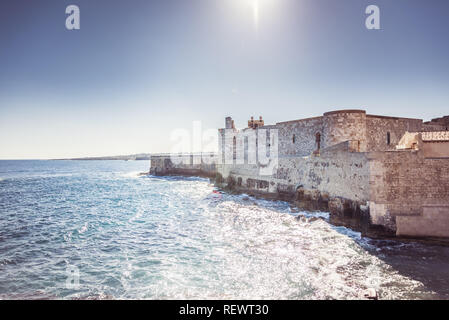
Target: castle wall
(434,127)
(406,189)
(304,132)
(436,149)
(344,125)
(326,173)
(298,138)
(377,128)
(437,124)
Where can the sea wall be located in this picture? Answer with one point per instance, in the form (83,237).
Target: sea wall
(409,193)
(326,173)
(184,165)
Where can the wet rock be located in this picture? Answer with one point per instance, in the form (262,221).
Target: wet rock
(310,195)
(324,197)
(299,194)
(335,206)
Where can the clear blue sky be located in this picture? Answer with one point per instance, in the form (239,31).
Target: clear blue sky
(138,69)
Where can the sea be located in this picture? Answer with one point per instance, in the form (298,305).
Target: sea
(99,230)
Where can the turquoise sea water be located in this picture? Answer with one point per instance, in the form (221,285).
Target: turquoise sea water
(96,230)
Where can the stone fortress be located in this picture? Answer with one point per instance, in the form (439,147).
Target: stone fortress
(380,173)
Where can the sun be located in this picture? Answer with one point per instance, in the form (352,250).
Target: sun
(255,7)
(254,10)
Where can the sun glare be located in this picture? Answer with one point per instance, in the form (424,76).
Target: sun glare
(256,13)
(254,7)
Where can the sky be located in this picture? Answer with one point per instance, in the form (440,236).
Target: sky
(138,70)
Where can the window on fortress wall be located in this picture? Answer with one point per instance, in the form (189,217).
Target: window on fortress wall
(294,139)
(388,138)
(268,138)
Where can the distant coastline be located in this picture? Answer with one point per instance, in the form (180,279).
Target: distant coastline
(139,156)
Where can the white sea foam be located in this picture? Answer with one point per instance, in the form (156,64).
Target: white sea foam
(132,174)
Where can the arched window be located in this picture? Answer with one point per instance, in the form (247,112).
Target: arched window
(388,138)
(294,139)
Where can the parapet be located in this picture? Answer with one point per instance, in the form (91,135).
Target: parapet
(344,111)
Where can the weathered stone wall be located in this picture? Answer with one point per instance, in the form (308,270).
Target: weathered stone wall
(434,127)
(189,165)
(377,128)
(433,222)
(435,136)
(344,125)
(437,124)
(299,137)
(436,149)
(403,184)
(326,173)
